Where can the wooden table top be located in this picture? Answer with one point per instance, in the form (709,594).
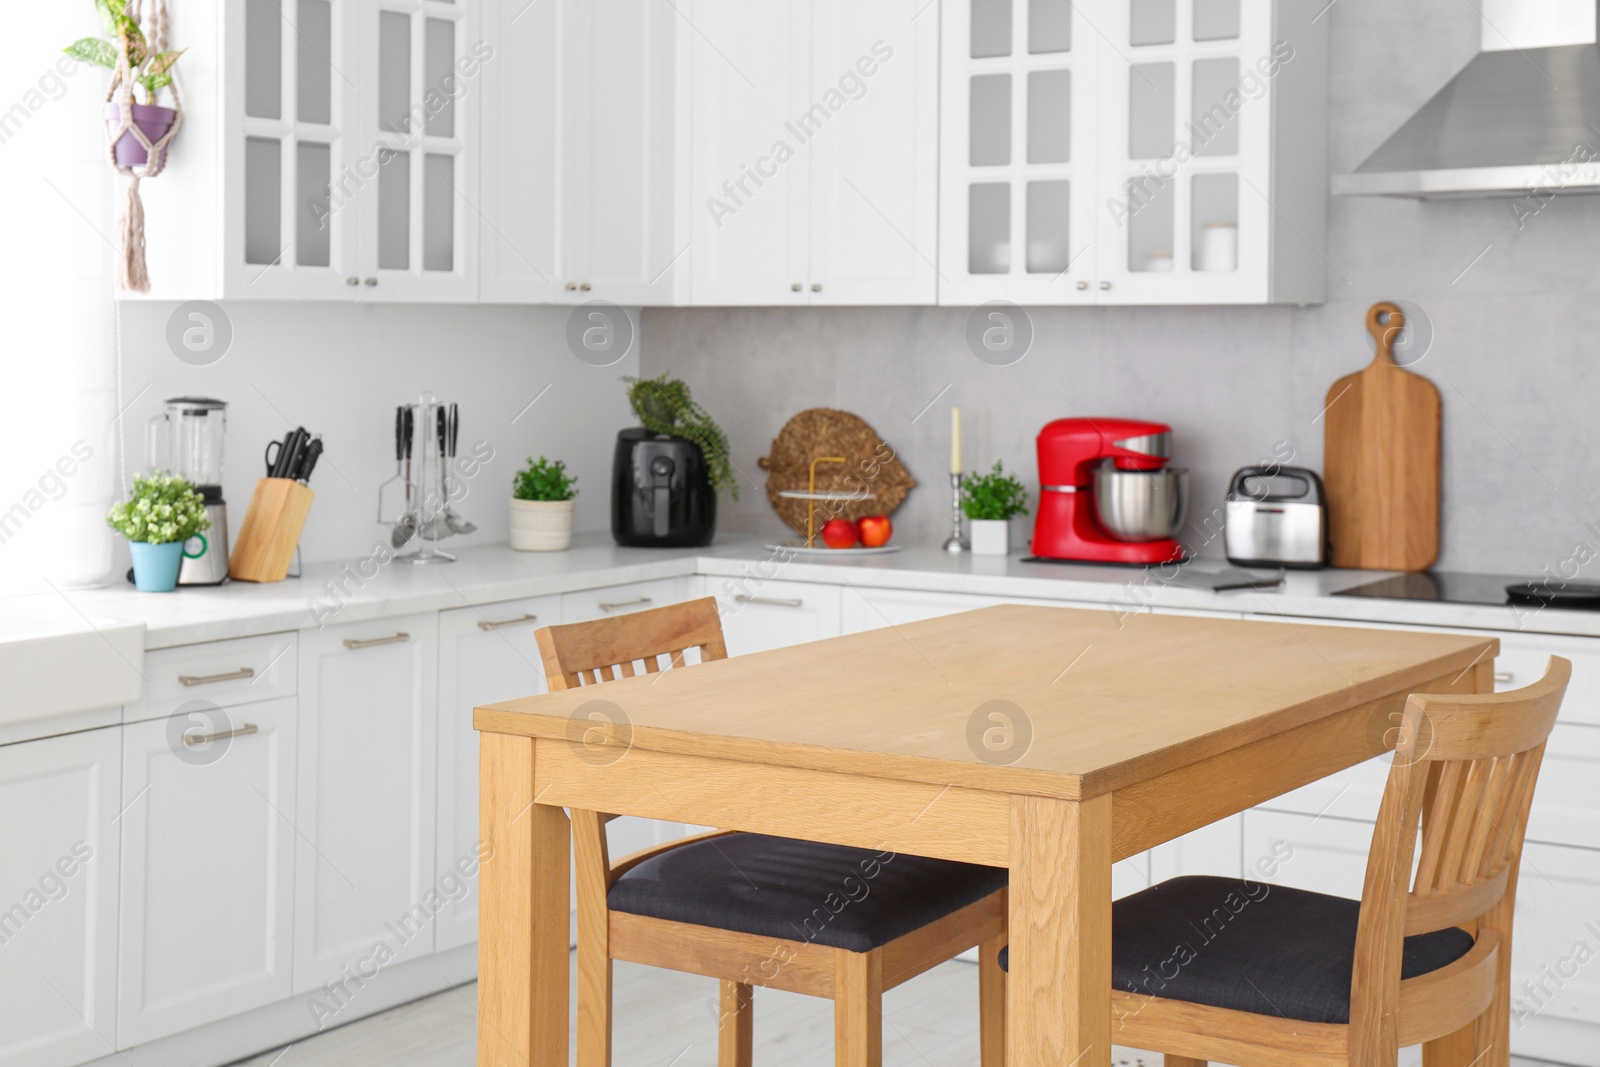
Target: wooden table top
(1108,699)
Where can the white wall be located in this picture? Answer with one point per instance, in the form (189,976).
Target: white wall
(340,370)
(1512,352)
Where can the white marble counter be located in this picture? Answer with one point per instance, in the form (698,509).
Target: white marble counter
(367,588)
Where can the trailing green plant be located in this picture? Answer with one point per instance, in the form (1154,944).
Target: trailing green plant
(544,480)
(995,495)
(665,406)
(162,508)
(151,70)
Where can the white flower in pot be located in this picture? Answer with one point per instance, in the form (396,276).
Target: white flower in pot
(541,507)
(990,501)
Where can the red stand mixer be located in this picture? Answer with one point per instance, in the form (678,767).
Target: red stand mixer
(1108,495)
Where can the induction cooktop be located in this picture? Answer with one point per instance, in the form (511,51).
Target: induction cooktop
(1493,589)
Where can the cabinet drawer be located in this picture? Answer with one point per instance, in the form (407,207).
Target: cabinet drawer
(616,600)
(225,673)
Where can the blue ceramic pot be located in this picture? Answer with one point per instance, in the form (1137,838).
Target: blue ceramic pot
(155,567)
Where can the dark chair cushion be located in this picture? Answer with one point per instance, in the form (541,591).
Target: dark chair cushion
(1271,950)
(849,898)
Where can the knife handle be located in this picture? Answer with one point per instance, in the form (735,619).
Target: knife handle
(308,462)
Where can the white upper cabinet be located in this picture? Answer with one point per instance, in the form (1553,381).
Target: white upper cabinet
(814,170)
(1019,152)
(578,192)
(328,152)
(1134,151)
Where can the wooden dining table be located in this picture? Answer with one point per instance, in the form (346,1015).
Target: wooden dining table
(1050,741)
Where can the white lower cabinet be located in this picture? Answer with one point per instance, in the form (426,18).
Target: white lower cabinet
(486,654)
(208,839)
(1216,849)
(366,887)
(1555,979)
(760,615)
(59,798)
(1322,854)
(872,609)
(613,600)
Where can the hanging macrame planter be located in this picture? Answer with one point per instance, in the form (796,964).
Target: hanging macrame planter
(138,135)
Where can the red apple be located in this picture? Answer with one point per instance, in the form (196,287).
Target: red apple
(839,533)
(875,530)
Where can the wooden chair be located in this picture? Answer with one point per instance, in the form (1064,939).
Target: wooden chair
(750,910)
(1280,977)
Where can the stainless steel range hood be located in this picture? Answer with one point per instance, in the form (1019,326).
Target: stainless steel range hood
(1521,119)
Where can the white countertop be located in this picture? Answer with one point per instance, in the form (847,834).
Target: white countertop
(370,590)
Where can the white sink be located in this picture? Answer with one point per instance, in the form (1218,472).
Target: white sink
(60,664)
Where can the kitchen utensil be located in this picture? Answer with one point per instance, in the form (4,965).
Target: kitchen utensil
(407,526)
(186,440)
(456,523)
(1138,506)
(1381,459)
(1276,516)
(436,526)
(1108,494)
(399,459)
(661,494)
(308,460)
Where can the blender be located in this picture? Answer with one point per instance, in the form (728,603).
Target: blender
(186,439)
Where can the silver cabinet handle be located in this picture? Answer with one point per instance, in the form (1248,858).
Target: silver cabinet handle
(372,281)
(1105,285)
(207,679)
(1083,285)
(775,601)
(352,280)
(570,286)
(816,287)
(625,604)
(1503,676)
(373,642)
(585,287)
(500,624)
(221,735)
(795,287)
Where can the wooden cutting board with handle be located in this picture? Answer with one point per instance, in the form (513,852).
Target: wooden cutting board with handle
(1381,459)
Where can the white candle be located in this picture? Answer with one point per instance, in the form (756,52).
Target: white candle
(955,440)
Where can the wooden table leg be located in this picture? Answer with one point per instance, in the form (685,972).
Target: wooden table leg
(523,908)
(1058,1007)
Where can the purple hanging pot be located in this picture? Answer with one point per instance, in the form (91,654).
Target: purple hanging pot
(152,120)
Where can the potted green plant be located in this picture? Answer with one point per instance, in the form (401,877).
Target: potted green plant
(161,514)
(990,501)
(151,70)
(541,506)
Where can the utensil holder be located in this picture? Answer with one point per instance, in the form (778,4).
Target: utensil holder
(271,530)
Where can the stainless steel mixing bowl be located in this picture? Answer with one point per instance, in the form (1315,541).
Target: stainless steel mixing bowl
(1140,505)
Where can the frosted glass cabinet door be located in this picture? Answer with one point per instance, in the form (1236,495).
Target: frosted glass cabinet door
(291,218)
(422,70)
(1017,153)
(1185,152)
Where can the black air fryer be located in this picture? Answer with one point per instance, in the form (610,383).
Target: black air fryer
(661,495)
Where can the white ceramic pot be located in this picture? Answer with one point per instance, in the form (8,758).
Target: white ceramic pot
(541,525)
(990,537)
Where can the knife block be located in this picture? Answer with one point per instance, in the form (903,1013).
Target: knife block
(271,530)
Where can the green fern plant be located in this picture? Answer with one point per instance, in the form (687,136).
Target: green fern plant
(664,405)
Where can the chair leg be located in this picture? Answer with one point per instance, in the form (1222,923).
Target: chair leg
(1453,1050)
(857,1009)
(594,1004)
(991,1003)
(735,1026)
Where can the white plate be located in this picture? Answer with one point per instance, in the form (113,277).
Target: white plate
(799,548)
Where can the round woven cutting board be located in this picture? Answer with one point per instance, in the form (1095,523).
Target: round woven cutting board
(870,466)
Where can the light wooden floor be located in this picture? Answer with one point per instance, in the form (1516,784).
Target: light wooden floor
(665,1019)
